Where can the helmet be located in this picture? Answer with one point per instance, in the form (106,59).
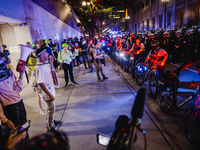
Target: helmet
(152,35)
(155,45)
(178,31)
(173,29)
(139,32)
(165,34)
(194,27)
(190,31)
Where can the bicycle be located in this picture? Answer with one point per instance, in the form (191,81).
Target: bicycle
(145,71)
(167,101)
(124,134)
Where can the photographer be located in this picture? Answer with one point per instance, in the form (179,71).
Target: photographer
(7,140)
(98,59)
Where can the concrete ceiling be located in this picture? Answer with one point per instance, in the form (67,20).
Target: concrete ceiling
(8,20)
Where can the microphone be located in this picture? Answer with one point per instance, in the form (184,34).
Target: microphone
(138,106)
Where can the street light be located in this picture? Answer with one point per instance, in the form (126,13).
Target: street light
(165,2)
(127,17)
(84,3)
(88,3)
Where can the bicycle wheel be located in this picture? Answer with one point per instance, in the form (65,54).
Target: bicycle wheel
(132,70)
(153,85)
(192,127)
(139,77)
(164,100)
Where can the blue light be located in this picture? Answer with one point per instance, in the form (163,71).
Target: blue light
(108,48)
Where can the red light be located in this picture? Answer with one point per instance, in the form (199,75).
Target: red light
(122,129)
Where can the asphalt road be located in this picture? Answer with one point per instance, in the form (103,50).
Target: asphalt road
(170,125)
(91,107)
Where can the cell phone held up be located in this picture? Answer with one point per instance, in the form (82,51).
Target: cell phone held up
(21,128)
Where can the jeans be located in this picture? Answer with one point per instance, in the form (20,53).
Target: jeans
(50,109)
(84,55)
(66,68)
(78,60)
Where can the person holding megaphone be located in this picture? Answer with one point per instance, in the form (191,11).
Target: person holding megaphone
(11,104)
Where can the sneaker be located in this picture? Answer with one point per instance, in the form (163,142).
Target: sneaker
(56,122)
(104,78)
(66,85)
(81,65)
(74,83)
(51,130)
(42,112)
(76,67)
(100,80)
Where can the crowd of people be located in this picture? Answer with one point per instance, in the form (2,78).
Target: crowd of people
(170,46)
(45,59)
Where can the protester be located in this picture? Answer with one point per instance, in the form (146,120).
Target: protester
(83,53)
(4,50)
(90,55)
(45,81)
(77,51)
(11,105)
(7,139)
(65,57)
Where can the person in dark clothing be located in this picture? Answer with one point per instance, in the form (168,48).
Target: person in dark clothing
(7,139)
(90,55)
(83,53)
(176,52)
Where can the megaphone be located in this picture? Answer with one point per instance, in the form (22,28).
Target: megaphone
(25,52)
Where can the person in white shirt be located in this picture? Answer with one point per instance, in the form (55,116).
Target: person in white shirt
(44,79)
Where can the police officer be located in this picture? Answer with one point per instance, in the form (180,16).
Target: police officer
(178,41)
(138,51)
